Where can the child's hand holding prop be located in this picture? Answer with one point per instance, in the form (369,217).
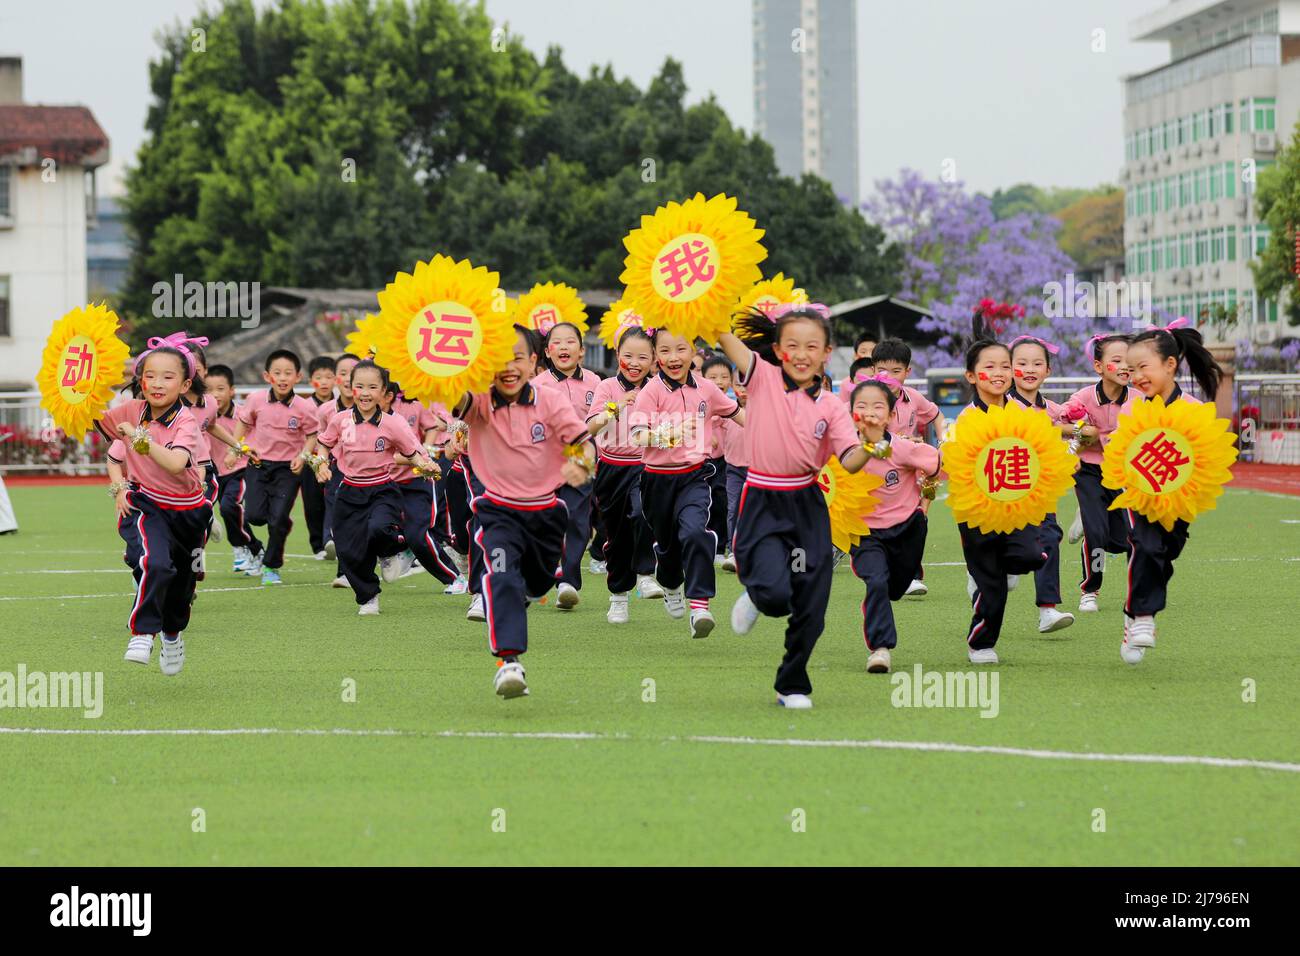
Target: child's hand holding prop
(849,500)
(82,363)
(1169,462)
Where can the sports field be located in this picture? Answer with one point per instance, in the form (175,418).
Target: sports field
(428,766)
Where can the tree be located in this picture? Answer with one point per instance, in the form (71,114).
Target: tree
(1092,228)
(1277,201)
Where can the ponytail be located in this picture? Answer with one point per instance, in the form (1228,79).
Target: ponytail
(1184,344)
(761,331)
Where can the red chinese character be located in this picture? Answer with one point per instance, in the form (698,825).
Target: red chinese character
(546,319)
(686,265)
(1008,469)
(451,340)
(1158,461)
(77,365)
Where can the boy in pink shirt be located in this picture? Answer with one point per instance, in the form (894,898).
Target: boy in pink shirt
(671,421)
(525,442)
(419,499)
(368,505)
(320,372)
(230,476)
(889,559)
(162,512)
(718,371)
(283,421)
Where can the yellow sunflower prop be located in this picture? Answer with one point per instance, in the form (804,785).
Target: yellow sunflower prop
(549,303)
(444,330)
(767,294)
(361,340)
(1007,467)
(1169,462)
(848,499)
(618,318)
(83,361)
(688,264)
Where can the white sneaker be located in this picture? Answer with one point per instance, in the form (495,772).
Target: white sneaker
(1076,528)
(330,552)
(916,589)
(214,529)
(1142,631)
(319,555)
(340,582)
(675,603)
(1088,602)
(392,568)
(1050,619)
(476,612)
(371,607)
(509,681)
(139,649)
(1012,581)
(460,561)
(729,563)
(719,560)
(701,622)
(415,568)
(1127,652)
(648,587)
(744,614)
(878,662)
(241,560)
(617,613)
(459,586)
(171,656)
(253,566)
(986,655)
(566,597)
(970,587)
(597,567)
(795,701)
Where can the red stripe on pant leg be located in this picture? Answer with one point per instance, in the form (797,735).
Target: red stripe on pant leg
(486,590)
(144,571)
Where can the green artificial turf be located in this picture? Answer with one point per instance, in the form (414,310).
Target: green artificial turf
(458,782)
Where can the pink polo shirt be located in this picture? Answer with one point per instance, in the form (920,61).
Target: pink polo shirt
(176,428)
(1052,409)
(734,447)
(790,432)
(912,413)
(205,411)
(663,400)
(364,447)
(518,447)
(1103,414)
(218,450)
(614,442)
(418,417)
(579,388)
(900,495)
(282,427)
(441,418)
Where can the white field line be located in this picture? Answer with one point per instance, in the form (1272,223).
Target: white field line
(912,745)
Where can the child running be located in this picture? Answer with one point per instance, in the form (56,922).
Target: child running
(991,557)
(629,547)
(1031,364)
(368,504)
(1102,531)
(320,372)
(219,384)
(793,427)
(889,559)
(563,371)
(1154,358)
(718,371)
(343,367)
(525,442)
(671,422)
(162,513)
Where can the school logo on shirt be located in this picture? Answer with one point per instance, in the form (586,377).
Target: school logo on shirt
(590,396)
(891,478)
(538,433)
(703,410)
(293,422)
(410,420)
(380,442)
(820,430)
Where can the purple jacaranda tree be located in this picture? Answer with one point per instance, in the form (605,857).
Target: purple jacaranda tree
(958,253)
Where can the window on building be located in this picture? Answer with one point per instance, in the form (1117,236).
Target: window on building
(1129,203)
(1171,193)
(1262,234)
(1216,182)
(1231,239)
(4,307)
(6,192)
(1142,199)
(1171,252)
(1186,256)
(1184,189)
(1202,247)
(1227,117)
(1200,126)
(1265,113)
(1230,180)
(1184,130)
(1217,247)
(1142,258)
(1201,178)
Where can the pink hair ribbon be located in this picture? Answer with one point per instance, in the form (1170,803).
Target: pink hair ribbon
(180,341)
(786,308)
(1051,349)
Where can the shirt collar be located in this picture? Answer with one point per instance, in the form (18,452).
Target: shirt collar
(561,377)
(527,397)
(1038,399)
(627,386)
(1175,394)
(166,418)
(1104,399)
(979,403)
(674,386)
(373,419)
(318,402)
(286,401)
(790,385)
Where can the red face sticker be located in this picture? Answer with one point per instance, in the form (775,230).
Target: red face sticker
(983,376)
(622,365)
(1018,373)
(857,417)
(785,357)
(1111,366)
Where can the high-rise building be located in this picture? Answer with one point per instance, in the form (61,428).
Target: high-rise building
(1197,132)
(806,88)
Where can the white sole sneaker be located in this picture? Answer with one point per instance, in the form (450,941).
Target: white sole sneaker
(214,531)
(509,681)
(1054,621)
(648,588)
(330,552)
(476,612)
(795,701)
(370,608)
(1076,529)
(744,614)
(916,589)
(1142,631)
(702,623)
(1127,652)
(566,597)
(879,662)
(139,650)
(985,655)
(617,613)
(1088,603)
(340,582)
(171,656)
(675,604)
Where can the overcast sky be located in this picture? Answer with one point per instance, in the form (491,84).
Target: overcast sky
(1010,89)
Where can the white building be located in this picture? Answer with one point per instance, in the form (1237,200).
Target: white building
(1197,131)
(806,88)
(48,157)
